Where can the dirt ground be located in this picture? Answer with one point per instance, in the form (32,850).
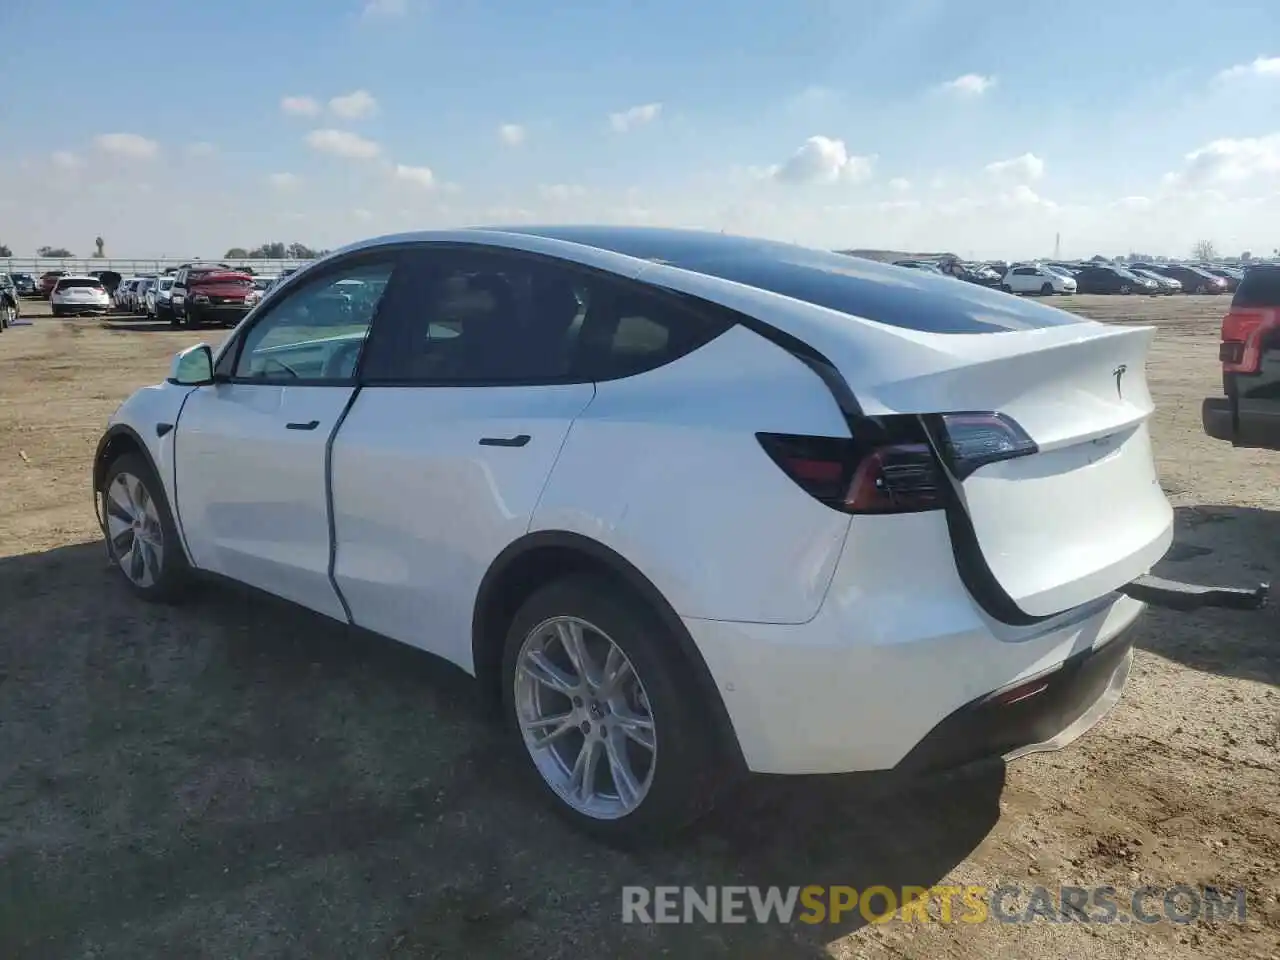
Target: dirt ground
(234,778)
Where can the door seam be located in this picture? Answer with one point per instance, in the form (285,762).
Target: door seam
(328,501)
(595,390)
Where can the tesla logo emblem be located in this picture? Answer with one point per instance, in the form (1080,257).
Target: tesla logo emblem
(1119,373)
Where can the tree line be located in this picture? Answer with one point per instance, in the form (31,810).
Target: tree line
(275,251)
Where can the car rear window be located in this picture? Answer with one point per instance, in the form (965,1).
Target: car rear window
(78,282)
(1259,288)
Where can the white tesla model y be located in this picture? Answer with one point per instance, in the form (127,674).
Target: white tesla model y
(685,504)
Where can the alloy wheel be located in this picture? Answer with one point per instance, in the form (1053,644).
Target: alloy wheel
(584,717)
(134,530)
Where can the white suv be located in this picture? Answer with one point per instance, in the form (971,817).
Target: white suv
(686,504)
(74,295)
(1038,278)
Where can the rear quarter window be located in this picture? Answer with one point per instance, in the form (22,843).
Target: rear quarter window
(1259,288)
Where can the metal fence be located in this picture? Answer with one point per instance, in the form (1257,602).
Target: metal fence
(132,267)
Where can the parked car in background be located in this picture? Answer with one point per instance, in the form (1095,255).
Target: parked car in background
(1037,278)
(924,265)
(1232,277)
(1193,279)
(1248,415)
(1097,278)
(48,280)
(139,297)
(942,518)
(26,284)
(9,308)
(1165,285)
(157,304)
(120,297)
(78,294)
(211,293)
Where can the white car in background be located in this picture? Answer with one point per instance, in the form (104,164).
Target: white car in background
(157,298)
(1038,278)
(686,504)
(78,294)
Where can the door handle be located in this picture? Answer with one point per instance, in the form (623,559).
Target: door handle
(309,425)
(517,441)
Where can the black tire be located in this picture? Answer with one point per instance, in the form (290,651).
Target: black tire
(174,576)
(1125,289)
(1202,289)
(1046,290)
(688,766)
(1006,288)
(8,314)
(57,311)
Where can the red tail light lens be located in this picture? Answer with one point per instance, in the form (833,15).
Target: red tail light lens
(897,471)
(1243,334)
(890,477)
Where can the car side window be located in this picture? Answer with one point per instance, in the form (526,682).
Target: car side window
(317,333)
(462,317)
(492,318)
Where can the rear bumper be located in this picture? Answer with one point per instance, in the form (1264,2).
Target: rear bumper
(1044,712)
(1254,425)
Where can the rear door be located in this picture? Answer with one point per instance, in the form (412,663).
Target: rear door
(251,449)
(465,401)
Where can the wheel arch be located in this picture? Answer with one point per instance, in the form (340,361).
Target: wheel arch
(543,556)
(120,439)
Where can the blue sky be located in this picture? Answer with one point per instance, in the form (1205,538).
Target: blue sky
(925,124)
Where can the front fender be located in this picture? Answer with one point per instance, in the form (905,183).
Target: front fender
(147,423)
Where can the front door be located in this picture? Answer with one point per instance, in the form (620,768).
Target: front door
(251,450)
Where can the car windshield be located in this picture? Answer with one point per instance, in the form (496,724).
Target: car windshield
(165,283)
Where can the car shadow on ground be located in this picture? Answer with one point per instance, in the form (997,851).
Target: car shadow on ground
(135,324)
(246,776)
(1220,546)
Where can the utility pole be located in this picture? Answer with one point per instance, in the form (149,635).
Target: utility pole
(1057,246)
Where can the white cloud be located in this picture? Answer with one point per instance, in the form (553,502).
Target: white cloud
(1268,67)
(1018,169)
(561,191)
(1228,161)
(900,184)
(969,85)
(418,176)
(284,181)
(361,214)
(300,106)
(634,117)
(356,105)
(824,160)
(65,160)
(511,134)
(201,148)
(343,143)
(131,146)
(1134,203)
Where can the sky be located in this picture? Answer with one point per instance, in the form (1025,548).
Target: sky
(988,129)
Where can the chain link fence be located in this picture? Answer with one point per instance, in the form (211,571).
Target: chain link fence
(132,267)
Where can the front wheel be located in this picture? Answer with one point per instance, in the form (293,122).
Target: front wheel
(8,314)
(1202,289)
(1046,290)
(1006,288)
(142,539)
(1125,289)
(599,700)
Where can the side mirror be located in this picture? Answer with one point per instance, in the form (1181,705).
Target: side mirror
(192,367)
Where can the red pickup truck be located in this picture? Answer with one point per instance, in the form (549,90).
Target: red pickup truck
(1249,413)
(211,293)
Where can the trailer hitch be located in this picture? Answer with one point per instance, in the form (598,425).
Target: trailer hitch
(1175,595)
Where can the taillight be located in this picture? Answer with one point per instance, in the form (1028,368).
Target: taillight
(896,470)
(972,440)
(1243,336)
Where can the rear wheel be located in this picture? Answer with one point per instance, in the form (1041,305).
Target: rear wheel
(1046,290)
(1006,288)
(1125,289)
(600,702)
(141,536)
